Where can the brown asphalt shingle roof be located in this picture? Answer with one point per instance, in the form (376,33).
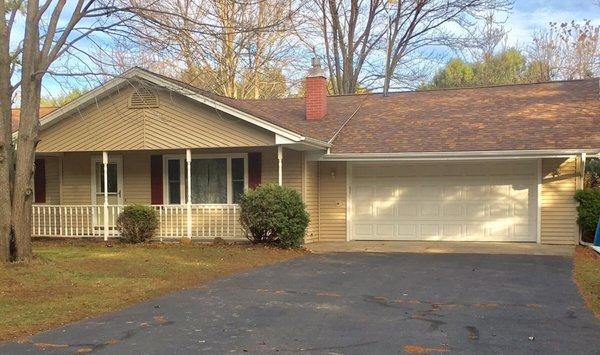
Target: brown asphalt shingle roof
(551,115)
(15,116)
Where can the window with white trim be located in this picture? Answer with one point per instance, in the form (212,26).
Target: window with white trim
(215,179)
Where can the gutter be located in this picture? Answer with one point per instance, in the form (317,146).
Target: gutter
(464,155)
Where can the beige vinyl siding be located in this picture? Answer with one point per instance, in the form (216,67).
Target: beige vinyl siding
(52,180)
(332,201)
(311,198)
(136,177)
(178,122)
(559,214)
(292,169)
(76,188)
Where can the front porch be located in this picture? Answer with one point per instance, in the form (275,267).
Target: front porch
(80,221)
(194,191)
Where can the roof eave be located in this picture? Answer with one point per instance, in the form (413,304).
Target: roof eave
(461,155)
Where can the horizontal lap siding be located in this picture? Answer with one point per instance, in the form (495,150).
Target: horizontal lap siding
(109,125)
(52,180)
(559,214)
(311,198)
(292,169)
(77,188)
(332,201)
(136,177)
(178,122)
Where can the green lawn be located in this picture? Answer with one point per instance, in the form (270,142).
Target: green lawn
(69,281)
(586,272)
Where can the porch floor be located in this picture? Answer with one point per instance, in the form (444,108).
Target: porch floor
(441,247)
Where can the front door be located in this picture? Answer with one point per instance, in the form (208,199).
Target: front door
(114,189)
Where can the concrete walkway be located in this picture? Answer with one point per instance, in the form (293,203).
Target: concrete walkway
(441,247)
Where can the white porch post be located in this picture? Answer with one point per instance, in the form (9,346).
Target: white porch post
(188,161)
(280,161)
(105,185)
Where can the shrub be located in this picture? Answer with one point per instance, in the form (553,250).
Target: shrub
(588,211)
(275,215)
(137,223)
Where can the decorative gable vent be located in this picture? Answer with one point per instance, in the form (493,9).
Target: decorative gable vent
(143,98)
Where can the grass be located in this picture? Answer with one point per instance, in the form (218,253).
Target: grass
(586,272)
(69,281)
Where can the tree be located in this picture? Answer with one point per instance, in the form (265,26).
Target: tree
(235,48)
(61,100)
(503,68)
(383,42)
(567,50)
(456,73)
(507,67)
(49,31)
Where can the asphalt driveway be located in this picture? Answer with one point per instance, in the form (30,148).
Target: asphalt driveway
(354,303)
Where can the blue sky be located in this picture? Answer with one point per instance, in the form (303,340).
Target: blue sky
(526,17)
(529,15)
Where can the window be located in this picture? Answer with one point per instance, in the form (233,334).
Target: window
(112,178)
(214,179)
(237,178)
(209,180)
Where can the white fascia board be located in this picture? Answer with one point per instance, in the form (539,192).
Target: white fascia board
(467,155)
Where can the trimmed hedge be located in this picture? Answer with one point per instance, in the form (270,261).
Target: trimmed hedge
(275,215)
(588,211)
(137,223)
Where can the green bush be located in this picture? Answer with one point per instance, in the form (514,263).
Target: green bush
(275,215)
(588,211)
(137,223)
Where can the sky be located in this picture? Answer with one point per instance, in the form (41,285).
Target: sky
(526,17)
(529,15)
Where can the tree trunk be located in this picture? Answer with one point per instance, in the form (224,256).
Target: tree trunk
(25,153)
(5,181)
(31,83)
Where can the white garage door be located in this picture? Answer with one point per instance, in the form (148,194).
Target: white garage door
(493,201)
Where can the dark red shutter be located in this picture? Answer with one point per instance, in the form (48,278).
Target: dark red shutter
(39,180)
(156,179)
(254,169)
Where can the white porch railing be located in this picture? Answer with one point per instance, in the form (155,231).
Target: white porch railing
(207,221)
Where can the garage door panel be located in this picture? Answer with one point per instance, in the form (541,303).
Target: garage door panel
(429,231)
(453,193)
(406,231)
(452,209)
(476,192)
(429,209)
(384,230)
(486,203)
(474,210)
(406,210)
(452,231)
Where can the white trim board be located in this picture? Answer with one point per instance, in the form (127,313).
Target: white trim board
(463,155)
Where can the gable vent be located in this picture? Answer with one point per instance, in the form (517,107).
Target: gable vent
(143,98)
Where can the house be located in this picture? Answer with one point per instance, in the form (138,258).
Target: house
(475,164)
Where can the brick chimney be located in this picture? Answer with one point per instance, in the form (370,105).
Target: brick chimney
(316,92)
